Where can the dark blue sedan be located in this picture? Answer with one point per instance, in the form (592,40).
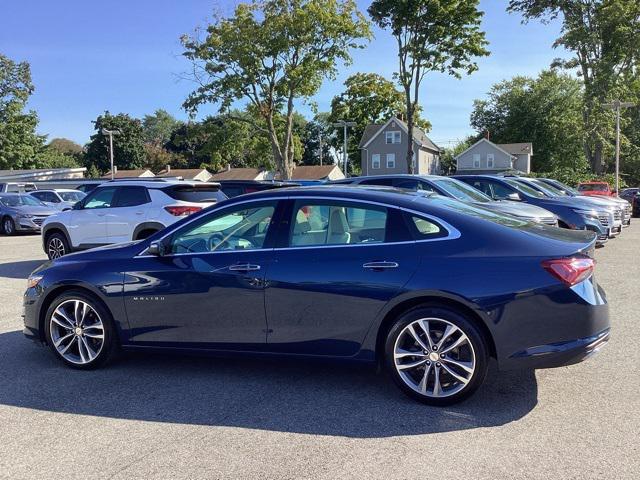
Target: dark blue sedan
(430,287)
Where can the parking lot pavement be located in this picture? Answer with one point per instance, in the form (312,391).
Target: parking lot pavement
(153,416)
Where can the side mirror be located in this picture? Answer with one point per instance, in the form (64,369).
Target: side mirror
(77,206)
(156,248)
(514,197)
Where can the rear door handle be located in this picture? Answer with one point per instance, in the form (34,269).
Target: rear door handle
(244,267)
(380,265)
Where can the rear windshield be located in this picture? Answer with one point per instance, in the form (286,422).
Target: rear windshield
(461,190)
(195,193)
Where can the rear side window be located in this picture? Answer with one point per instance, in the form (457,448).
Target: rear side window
(425,228)
(232,191)
(131,197)
(387,182)
(195,193)
(336,223)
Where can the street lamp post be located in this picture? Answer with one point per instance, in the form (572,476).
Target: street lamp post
(617,105)
(111,133)
(344,124)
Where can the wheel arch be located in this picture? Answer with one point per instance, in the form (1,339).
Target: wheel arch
(51,228)
(430,300)
(155,226)
(61,289)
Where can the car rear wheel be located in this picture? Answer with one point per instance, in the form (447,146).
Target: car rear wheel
(436,355)
(8,226)
(80,331)
(57,246)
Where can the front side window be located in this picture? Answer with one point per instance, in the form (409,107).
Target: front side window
(243,228)
(100,198)
(317,223)
(391,160)
(72,196)
(500,192)
(392,137)
(375,161)
(132,196)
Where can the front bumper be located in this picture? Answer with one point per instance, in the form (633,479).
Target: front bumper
(24,224)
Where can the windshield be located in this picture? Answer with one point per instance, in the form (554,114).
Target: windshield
(554,191)
(565,187)
(525,189)
(20,200)
(72,196)
(461,191)
(594,187)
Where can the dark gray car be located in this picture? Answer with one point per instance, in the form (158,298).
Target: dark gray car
(20,212)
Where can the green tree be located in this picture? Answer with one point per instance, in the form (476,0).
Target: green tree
(65,146)
(316,131)
(604,36)
(52,158)
(19,142)
(546,111)
(158,127)
(128,146)
(432,36)
(448,155)
(272,53)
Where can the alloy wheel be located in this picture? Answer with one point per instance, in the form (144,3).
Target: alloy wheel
(8,226)
(77,331)
(55,248)
(434,357)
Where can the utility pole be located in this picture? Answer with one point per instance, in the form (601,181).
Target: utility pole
(111,133)
(344,124)
(617,105)
(320,143)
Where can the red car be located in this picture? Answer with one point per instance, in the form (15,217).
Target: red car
(596,188)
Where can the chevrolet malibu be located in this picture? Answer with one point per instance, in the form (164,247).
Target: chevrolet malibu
(431,288)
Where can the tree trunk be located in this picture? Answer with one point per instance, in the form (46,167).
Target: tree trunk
(597,158)
(410,143)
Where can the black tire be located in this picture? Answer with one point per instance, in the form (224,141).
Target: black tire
(8,226)
(109,346)
(472,352)
(57,245)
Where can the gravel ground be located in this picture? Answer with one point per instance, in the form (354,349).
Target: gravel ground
(154,416)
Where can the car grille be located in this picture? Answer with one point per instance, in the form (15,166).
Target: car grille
(617,215)
(548,221)
(604,220)
(38,220)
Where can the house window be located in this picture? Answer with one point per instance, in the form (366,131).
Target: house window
(490,160)
(392,137)
(476,160)
(375,161)
(391,160)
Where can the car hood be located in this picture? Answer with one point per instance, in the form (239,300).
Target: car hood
(603,201)
(523,210)
(35,210)
(107,252)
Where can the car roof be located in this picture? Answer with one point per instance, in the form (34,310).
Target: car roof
(14,194)
(56,190)
(396,175)
(154,183)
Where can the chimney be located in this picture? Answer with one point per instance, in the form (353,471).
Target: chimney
(168,168)
(487,135)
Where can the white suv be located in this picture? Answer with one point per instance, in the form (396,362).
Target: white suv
(120,211)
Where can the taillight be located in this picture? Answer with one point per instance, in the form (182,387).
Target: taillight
(570,271)
(182,211)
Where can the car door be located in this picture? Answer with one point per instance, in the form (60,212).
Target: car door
(207,290)
(340,263)
(127,212)
(87,226)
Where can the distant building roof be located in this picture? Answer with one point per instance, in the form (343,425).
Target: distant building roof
(238,174)
(517,148)
(418,134)
(34,174)
(313,172)
(186,173)
(145,172)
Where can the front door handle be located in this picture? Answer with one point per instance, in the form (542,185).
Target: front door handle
(244,267)
(380,265)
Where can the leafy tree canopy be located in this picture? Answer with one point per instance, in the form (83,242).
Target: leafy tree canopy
(128,145)
(158,127)
(272,53)
(546,111)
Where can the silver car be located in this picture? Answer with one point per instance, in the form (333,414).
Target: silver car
(60,198)
(20,212)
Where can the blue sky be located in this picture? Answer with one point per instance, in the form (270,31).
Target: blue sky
(124,56)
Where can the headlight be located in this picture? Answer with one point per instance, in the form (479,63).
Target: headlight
(33,281)
(25,215)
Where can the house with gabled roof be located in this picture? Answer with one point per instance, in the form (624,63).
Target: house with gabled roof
(486,157)
(383,149)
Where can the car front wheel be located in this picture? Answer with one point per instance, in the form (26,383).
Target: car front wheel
(57,246)
(8,226)
(436,355)
(80,330)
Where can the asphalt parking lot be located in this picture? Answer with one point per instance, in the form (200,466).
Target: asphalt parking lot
(153,416)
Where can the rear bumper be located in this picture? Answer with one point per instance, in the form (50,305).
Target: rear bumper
(562,354)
